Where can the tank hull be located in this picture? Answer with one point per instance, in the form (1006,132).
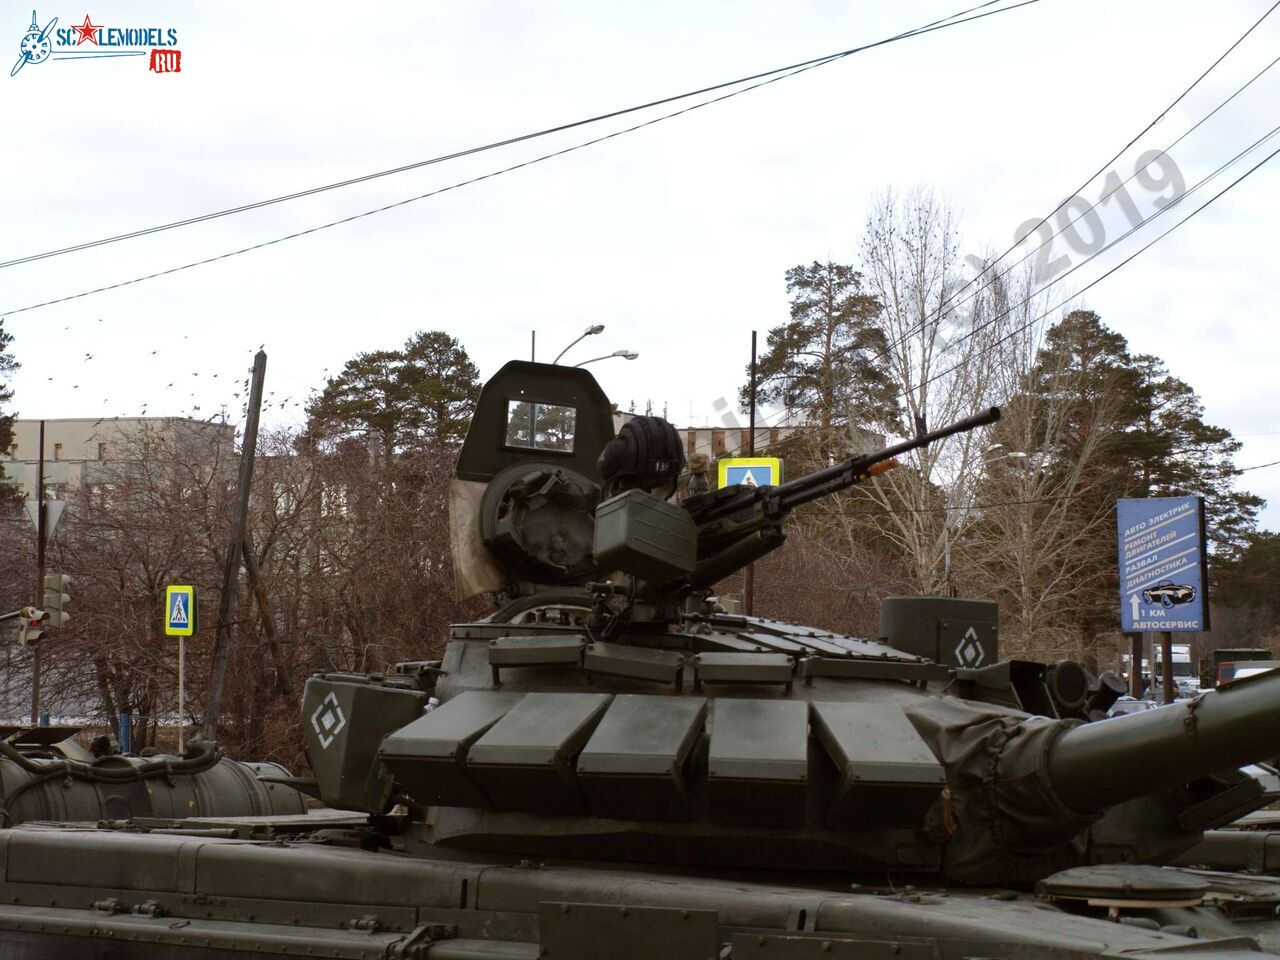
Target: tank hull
(98,893)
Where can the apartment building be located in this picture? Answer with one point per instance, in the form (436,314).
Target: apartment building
(78,450)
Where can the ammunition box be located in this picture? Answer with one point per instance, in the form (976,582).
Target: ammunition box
(946,630)
(645,536)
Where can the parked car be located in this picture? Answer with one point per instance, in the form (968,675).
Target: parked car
(1126,705)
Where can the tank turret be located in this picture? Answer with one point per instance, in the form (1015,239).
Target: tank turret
(610,709)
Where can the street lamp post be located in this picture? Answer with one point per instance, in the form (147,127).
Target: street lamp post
(591,331)
(624,354)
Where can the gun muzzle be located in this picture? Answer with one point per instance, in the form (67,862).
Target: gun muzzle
(884,466)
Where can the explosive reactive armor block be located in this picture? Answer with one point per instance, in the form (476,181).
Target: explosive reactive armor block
(525,760)
(634,765)
(887,772)
(757,765)
(343,754)
(429,756)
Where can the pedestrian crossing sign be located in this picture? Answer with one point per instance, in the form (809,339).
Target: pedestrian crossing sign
(750,471)
(179,610)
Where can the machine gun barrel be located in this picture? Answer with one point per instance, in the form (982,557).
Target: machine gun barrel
(787,496)
(1098,764)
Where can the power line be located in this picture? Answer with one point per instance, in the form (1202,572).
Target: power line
(1258,466)
(777,73)
(1091,206)
(947,306)
(1024,326)
(943,307)
(1026,300)
(965,508)
(477,179)
(1123,262)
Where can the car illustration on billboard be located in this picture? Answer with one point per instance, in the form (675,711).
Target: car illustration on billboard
(1167,593)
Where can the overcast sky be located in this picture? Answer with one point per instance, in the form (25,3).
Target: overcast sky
(675,237)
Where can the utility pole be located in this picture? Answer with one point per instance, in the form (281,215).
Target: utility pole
(1166,665)
(1135,665)
(749,576)
(37,651)
(264,613)
(533,345)
(231,573)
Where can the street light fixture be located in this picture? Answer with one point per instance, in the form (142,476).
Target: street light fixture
(591,331)
(624,354)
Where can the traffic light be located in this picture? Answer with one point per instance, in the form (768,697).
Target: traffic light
(31,626)
(56,599)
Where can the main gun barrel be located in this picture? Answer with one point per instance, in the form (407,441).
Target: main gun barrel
(1098,764)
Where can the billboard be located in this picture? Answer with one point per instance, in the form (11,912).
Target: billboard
(1163,565)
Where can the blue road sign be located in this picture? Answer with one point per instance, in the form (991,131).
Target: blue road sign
(1163,575)
(180,610)
(750,471)
(751,476)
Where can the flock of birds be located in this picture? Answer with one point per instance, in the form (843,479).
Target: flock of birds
(272,399)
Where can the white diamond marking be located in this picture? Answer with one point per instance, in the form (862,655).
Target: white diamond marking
(328,715)
(969,652)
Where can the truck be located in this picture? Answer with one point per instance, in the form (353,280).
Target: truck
(1224,661)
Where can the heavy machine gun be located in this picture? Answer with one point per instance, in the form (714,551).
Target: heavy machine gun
(777,501)
(739,524)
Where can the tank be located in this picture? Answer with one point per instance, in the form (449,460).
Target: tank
(612,765)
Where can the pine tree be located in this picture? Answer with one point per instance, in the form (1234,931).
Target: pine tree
(1174,452)
(1250,581)
(829,357)
(1151,441)
(443,385)
(367,397)
(424,393)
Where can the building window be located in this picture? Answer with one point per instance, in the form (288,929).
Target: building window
(102,451)
(57,451)
(333,501)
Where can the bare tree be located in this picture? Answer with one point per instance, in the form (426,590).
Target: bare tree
(350,570)
(944,349)
(1040,513)
(152,515)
